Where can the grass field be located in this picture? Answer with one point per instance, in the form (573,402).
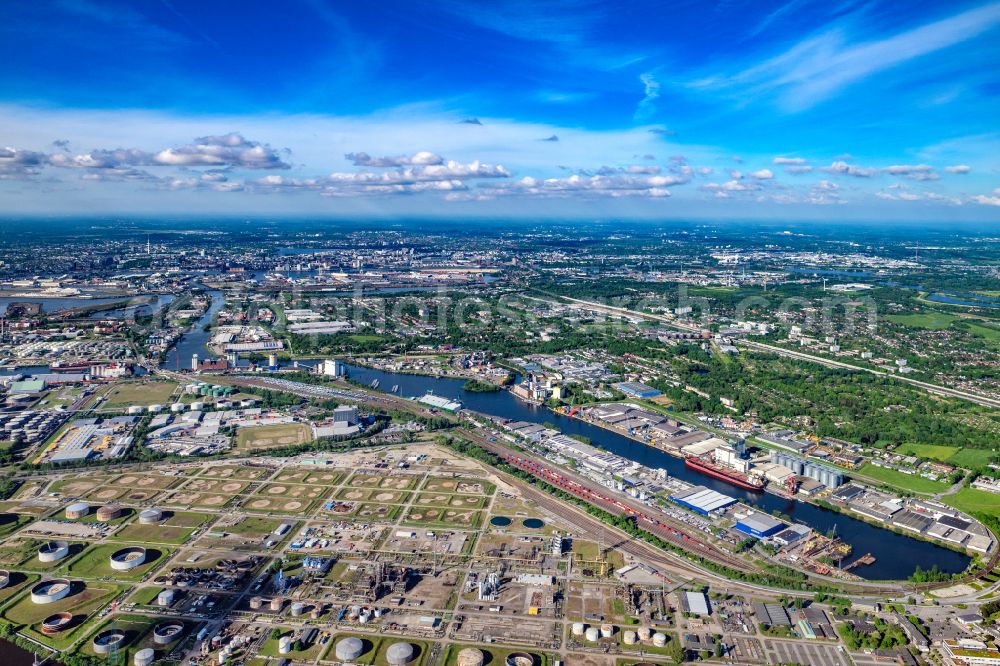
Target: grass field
(973,458)
(896,479)
(929,320)
(175,530)
(930,451)
(139,393)
(308,655)
(972,500)
(95,563)
(991,333)
(12,521)
(263,437)
(494,655)
(82,602)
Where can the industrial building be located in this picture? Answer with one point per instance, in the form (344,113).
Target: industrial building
(703,500)
(828,476)
(759,525)
(636,390)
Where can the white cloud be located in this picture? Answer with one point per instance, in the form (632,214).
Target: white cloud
(958,168)
(762,174)
(987,200)
(798,169)
(222,150)
(651,90)
(844,168)
(789,160)
(422,157)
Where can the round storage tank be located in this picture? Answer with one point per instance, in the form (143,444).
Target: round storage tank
(144,657)
(165,598)
(630,638)
(109,640)
(166,633)
(197,406)
(349,649)
(645,633)
(53,550)
(150,516)
(659,640)
(276,604)
(520,659)
(109,512)
(177,407)
(4,578)
(77,510)
(471,657)
(51,590)
(256,603)
(579,628)
(399,654)
(298,608)
(55,623)
(128,558)
(285,644)
(135,409)
(607,630)
(154,409)
(592,634)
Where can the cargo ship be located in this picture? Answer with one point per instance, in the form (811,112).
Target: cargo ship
(726,474)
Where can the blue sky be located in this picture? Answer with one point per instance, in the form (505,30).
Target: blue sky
(800,109)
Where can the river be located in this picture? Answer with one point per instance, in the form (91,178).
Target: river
(12,655)
(896,555)
(194,341)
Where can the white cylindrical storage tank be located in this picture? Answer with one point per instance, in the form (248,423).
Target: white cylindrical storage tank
(50,591)
(144,657)
(53,550)
(659,640)
(607,630)
(106,641)
(470,657)
(165,598)
(645,633)
(399,654)
(364,617)
(256,603)
(285,644)
(128,558)
(630,638)
(177,407)
(154,409)
(197,406)
(276,604)
(166,633)
(592,634)
(579,628)
(135,409)
(77,510)
(150,516)
(298,608)
(349,649)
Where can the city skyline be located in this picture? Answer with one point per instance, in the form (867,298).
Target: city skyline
(797,110)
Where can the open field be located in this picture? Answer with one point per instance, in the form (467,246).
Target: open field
(84,600)
(899,480)
(972,500)
(264,437)
(442,517)
(495,656)
(95,563)
(126,394)
(175,529)
(930,320)
(309,654)
(242,472)
(933,452)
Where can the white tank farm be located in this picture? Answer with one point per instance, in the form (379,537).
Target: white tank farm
(53,550)
(630,638)
(579,628)
(50,591)
(150,516)
(349,649)
(144,657)
(285,644)
(607,630)
(645,633)
(470,657)
(592,634)
(399,654)
(128,558)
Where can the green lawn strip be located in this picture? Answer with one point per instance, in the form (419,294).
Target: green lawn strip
(96,563)
(972,500)
(896,479)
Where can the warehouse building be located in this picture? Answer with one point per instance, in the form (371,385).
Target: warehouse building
(703,500)
(759,525)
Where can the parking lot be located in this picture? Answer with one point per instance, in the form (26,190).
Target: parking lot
(781,652)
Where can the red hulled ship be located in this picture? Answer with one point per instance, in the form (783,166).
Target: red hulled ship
(728,475)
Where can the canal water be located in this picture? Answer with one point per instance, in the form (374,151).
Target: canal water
(896,555)
(13,655)
(194,341)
